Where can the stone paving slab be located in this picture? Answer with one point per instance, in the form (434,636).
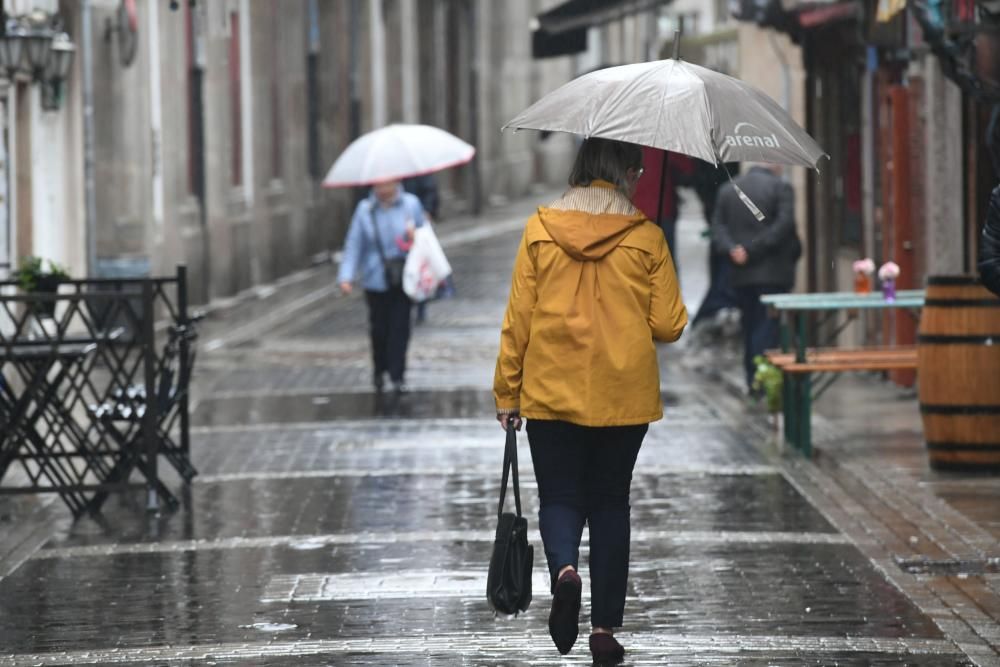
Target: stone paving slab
(659,538)
(441,502)
(469,650)
(792,591)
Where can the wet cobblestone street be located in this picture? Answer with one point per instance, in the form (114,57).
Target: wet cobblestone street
(327,527)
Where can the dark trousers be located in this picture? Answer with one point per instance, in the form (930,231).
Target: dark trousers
(389,327)
(584,474)
(760,331)
(720,293)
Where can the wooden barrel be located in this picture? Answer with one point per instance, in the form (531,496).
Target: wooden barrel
(959,374)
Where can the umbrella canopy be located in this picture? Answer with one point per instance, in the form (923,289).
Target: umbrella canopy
(396,152)
(675,106)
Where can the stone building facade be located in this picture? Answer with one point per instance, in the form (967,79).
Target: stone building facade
(212,135)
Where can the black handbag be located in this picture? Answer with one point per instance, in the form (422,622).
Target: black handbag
(393,267)
(508,585)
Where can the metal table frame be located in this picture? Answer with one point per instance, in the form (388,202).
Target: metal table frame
(797,389)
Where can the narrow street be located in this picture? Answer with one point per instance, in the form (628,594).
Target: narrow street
(329,528)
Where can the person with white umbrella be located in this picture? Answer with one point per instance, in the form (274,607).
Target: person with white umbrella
(377,242)
(382,228)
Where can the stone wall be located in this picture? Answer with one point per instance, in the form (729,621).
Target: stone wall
(262,212)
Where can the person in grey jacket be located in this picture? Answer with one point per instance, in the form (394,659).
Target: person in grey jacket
(763,253)
(989,249)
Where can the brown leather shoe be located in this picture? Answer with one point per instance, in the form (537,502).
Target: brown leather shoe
(564,618)
(606,649)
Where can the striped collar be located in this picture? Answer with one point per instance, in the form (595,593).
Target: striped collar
(598,197)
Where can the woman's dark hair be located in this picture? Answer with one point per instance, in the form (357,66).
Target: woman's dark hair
(606,160)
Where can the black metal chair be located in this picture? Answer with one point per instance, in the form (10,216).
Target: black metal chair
(124,414)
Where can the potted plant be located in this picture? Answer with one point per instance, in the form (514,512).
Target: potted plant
(863,270)
(34,279)
(888,273)
(768,378)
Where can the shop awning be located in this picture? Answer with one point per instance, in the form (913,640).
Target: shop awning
(562,30)
(792,16)
(545,44)
(576,14)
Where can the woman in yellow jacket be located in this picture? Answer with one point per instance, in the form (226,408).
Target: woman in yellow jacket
(593,287)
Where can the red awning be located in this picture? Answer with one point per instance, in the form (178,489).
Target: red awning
(817,16)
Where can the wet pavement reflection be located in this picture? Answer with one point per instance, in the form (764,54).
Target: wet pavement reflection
(330,526)
(319,407)
(435,500)
(225,594)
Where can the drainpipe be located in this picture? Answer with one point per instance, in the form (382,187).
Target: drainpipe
(786,82)
(786,75)
(156,120)
(475,53)
(89,185)
(376,31)
(5,235)
(354,87)
(199,61)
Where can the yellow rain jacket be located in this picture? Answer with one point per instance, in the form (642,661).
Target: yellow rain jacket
(593,287)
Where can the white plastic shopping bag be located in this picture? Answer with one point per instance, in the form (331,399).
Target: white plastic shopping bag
(426,266)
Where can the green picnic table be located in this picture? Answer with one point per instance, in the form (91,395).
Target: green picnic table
(794,311)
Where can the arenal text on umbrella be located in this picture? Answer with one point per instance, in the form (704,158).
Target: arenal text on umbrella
(738,139)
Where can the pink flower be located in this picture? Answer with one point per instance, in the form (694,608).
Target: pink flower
(888,271)
(865,266)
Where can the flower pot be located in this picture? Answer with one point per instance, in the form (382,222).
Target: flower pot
(862,284)
(889,290)
(46,285)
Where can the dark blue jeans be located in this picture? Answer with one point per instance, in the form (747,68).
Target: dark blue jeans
(584,475)
(760,331)
(389,328)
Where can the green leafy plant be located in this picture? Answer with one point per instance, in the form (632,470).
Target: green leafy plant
(33,277)
(767,377)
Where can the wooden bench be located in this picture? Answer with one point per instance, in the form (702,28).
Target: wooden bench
(829,360)
(797,393)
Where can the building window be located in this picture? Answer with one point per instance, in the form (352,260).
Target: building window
(235,100)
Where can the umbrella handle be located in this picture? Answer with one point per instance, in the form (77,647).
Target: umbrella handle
(742,195)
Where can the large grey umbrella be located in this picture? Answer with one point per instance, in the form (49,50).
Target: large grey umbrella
(675,106)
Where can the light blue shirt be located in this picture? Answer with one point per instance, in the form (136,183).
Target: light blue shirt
(361,255)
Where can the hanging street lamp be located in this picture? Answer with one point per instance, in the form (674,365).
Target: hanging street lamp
(33,48)
(56,70)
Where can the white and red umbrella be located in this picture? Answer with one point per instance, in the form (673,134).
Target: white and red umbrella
(395,152)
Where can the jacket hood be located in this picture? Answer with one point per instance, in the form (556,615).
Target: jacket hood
(587,236)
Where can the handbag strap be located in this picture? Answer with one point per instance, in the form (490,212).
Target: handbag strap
(378,240)
(510,464)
